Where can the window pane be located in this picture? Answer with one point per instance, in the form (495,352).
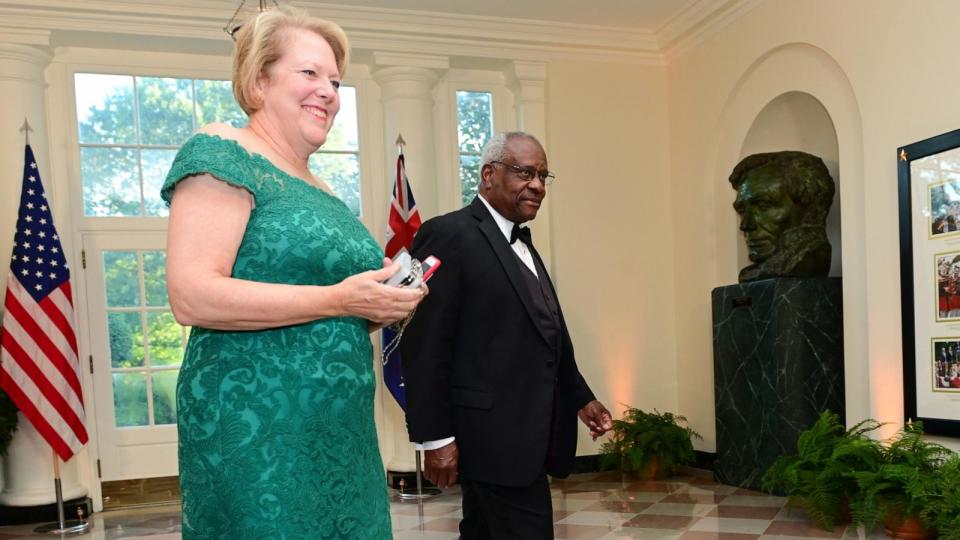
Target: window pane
(215,103)
(166,110)
(105,108)
(165,337)
(130,399)
(155,277)
(345,135)
(126,339)
(120,278)
(111,184)
(469,178)
(156,164)
(342,173)
(474,120)
(165,397)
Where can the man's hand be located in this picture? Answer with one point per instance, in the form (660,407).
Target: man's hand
(596,417)
(441,464)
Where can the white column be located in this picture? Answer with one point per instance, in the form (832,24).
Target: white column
(406,87)
(527,81)
(24,54)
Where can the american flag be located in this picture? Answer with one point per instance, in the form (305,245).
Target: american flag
(402,224)
(39,369)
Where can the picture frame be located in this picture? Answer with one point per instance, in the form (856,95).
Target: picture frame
(929,206)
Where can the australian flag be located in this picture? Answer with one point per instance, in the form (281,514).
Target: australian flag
(402,225)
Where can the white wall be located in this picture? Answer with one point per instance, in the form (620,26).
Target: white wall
(885,73)
(612,241)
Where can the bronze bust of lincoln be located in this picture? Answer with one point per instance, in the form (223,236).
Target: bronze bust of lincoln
(783,199)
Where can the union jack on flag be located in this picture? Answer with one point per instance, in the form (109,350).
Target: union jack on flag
(402,225)
(39,369)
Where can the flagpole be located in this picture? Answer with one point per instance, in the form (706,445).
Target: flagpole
(26,129)
(61,526)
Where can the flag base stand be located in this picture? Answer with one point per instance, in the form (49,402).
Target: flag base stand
(62,526)
(421,493)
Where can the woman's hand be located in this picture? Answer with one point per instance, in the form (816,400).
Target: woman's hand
(365,296)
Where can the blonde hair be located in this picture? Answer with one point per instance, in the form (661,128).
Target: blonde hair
(261,41)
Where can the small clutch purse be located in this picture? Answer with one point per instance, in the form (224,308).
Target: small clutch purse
(409,276)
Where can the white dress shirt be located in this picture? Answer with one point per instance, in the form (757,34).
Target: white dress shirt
(522,251)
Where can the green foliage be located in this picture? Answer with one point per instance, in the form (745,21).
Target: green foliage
(8,422)
(640,436)
(943,510)
(904,483)
(820,476)
(474,129)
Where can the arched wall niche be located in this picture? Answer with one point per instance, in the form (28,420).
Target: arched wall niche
(800,69)
(798,121)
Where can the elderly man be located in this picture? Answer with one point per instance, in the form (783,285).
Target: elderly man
(492,386)
(783,199)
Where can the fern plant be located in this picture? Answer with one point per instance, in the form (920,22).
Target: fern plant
(640,436)
(904,484)
(819,477)
(943,511)
(8,422)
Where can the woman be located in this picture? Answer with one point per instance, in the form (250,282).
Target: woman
(281,284)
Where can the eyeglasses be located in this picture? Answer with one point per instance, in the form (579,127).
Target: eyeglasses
(528,173)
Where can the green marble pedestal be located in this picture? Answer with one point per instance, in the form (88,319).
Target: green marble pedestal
(778,362)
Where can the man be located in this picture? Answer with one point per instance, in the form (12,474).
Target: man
(491,382)
(783,199)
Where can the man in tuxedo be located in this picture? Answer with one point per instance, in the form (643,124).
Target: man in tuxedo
(493,391)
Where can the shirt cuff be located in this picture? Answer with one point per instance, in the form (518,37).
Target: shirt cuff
(433,445)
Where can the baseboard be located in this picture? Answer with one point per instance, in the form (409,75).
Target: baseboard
(47,513)
(591,462)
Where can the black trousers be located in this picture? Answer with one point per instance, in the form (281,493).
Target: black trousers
(492,512)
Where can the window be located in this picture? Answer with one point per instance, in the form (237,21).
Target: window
(474,129)
(130,128)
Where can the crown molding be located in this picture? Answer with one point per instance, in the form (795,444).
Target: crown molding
(385,30)
(697,21)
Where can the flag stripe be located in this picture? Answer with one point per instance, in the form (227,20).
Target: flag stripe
(26,406)
(59,310)
(46,392)
(25,342)
(41,339)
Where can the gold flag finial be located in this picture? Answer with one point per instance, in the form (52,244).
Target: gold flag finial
(400,141)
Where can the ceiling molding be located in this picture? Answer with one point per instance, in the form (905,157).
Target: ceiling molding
(697,21)
(388,30)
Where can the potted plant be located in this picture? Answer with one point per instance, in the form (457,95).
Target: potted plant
(944,510)
(819,477)
(652,444)
(901,490)
(8,421)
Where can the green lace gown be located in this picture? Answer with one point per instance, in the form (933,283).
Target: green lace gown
(277,439)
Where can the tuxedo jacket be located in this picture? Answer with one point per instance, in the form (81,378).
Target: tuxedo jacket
(477,364)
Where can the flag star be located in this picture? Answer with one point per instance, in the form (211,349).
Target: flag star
(39,287)
(55,250)
(43,194)
(27,232)
(42,234)
(41,248)
(24,271)
(30,205)
(33,165)
(55,237)
(43,221)
(53,276)
(31,192)
(25,259)
(26,245)
(43,207)
(33,178)
(14,256)
(29,219)
(39,260)
(53,263)
(39,274)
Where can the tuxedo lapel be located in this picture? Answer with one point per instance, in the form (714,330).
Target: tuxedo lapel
(508,259)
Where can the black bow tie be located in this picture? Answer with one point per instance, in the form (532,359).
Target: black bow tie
(523,233)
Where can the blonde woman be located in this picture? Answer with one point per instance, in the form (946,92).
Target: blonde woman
(281,284)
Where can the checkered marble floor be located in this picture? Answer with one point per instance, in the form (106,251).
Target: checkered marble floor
(592,506)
